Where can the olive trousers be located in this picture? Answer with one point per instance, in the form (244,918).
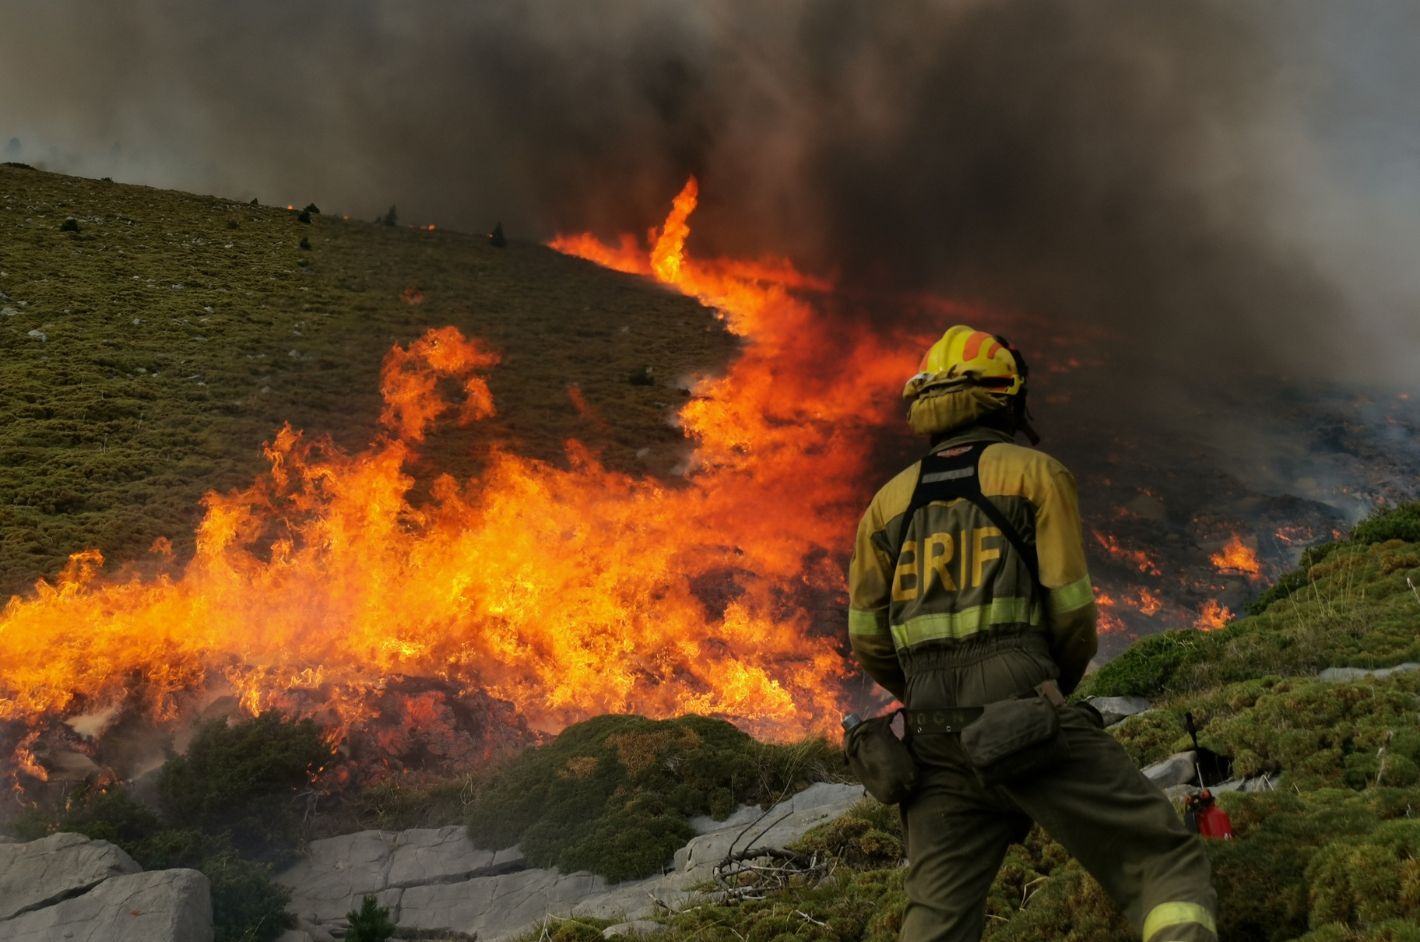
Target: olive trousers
(1117,823)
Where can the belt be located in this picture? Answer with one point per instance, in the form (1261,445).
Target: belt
(954,719)
(950,720)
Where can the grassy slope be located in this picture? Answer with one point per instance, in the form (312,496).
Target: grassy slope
(183,330)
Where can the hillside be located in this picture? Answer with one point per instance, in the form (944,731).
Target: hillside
(154,344)
(147,356)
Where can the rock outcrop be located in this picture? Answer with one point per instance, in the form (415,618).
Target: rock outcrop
(69,887)
(1338,675)
(1117,709)
(1178,769)
(436,882)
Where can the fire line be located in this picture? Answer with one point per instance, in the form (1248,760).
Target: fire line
(567,591)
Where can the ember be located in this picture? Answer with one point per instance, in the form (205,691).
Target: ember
(1138,559)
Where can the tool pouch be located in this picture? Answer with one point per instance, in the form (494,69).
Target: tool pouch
(880,760)
(1013,739)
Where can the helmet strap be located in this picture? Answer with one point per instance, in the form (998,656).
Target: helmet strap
(1021,413)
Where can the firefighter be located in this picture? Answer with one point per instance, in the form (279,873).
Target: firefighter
(968,587)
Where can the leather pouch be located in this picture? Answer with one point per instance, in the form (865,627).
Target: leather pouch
(880,760)
(1013,739)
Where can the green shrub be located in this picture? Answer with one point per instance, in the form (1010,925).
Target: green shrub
(1322,733)
(246,905)
(1147,667)
(1392,930)
(614,794)
(1369,879)
(241,779)
(1152,735)
(104,815)
(1285,585)
(867,837)
(1398,523)
(370,923)
(1069,906)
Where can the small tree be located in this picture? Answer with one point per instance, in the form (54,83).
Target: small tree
(370,923)
(390,218)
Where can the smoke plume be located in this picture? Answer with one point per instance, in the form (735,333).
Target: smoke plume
(1131,167)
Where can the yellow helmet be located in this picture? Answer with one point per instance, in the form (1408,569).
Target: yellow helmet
(972,357)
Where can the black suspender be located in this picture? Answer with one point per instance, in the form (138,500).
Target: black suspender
(951,475)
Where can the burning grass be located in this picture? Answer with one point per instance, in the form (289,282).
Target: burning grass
(180,333)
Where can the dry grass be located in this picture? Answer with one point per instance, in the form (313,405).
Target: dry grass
(174,333)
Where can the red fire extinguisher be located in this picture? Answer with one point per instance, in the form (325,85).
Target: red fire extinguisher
(1203,816)
(1200,812)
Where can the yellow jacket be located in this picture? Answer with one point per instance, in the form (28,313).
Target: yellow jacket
(958,578)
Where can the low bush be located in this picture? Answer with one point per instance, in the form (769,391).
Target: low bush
(1148,666)
(868,837)
(370,923)
(1398,523)
(241,779)
(614,794)
(1368,880)
(1325,734)
(246,905)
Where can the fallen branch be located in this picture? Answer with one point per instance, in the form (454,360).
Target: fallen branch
(756,873)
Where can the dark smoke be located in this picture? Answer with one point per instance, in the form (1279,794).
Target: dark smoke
(1130,168)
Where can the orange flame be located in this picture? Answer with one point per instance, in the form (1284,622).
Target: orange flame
(1146,602)
(568,591)
(668,254)
(1109,622)
(1237,556)
(1215,615)
(1295,534)
(1138,559)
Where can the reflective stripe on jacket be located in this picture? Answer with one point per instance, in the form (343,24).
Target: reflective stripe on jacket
(957,577)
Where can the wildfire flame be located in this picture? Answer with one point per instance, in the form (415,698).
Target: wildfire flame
(1109,620)
(1237,556)
(567,590)
(1146,602)
(1292,536)
(1215,615)
(1137,559)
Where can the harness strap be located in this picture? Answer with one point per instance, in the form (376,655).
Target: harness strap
(953,475)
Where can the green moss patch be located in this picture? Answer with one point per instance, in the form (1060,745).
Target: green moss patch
(614,794)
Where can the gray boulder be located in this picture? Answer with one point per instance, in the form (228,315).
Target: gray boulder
(1177,769)
(157,906)
(1258,783)
(437,883)
(635,929)
(1341,674)
(1116,709)
(54,868)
